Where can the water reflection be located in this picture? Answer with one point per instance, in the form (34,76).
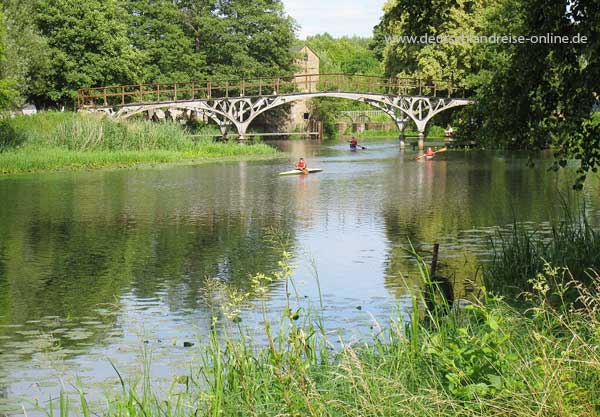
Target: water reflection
(92,265)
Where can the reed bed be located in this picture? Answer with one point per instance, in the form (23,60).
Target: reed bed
(521,254)
(59,141)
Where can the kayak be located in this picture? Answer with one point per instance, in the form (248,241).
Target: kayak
(298,172)
(429,158)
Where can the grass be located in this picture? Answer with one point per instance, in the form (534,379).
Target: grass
(433,132)
(485,359)
(523,253)
(64,141)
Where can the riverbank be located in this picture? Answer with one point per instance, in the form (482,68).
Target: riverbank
(482,357)
(68,141)
(487,358)
(435,132)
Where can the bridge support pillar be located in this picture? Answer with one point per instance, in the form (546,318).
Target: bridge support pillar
(401,123)
(421,141)
(242,128)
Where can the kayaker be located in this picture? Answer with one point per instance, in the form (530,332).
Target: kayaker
(301,165)
(353,143)
(429,153)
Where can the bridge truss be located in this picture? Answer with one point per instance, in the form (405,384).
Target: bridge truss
(238,103)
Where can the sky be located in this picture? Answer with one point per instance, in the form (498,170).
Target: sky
(336,17)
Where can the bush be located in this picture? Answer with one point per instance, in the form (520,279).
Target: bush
(9,137)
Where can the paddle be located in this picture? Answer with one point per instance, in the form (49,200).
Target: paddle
(357,146)
(445,149)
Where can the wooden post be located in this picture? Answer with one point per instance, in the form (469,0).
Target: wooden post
(193,90)
(174,91)
(227,89)
(105,98)
(157,92)
(260,86)
(434,260)
(243,88)
(123,96)
(209,89)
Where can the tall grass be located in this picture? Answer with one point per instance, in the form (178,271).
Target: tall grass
(487,359)
(85,132)
(522,253)
(53,140)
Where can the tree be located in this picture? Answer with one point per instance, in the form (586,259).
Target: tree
(156,30)
(528,94)
(249,39)
(8,91)
(199,18)
(345,55)
(88,46)
(543,94)
(451,60)
(27,56)
(379,41)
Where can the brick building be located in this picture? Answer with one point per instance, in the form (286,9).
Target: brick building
(308,63)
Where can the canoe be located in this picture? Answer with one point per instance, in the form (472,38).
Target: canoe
(429,158)
(298,172)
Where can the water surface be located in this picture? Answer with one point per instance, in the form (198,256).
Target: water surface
(112,264)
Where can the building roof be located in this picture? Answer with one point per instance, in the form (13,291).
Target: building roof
(297,48)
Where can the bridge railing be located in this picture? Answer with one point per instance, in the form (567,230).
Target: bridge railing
(124,95)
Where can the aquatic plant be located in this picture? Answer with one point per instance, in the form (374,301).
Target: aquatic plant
(487,358)
(522,253)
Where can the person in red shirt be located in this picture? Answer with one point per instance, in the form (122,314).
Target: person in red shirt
(353,143)
(429,153)
(301,165)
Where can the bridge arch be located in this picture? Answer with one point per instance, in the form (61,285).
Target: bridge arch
(241,112)
(217,116)
(239,102)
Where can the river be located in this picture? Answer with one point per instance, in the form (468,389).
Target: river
(113,264)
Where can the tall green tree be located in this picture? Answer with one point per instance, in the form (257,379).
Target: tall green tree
(378,43)
(250,38)
(545,92)
(452,61)
(345,55)
(8,91)
(198,18)
(27,55)
(88,46)
(157,32)
(528,94)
